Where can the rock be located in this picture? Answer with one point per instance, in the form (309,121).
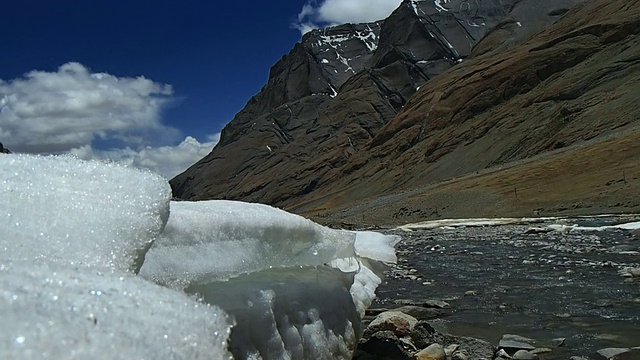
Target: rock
(635,233)
(578,358)
(611,353)
(541,351)
(449,350)
(422,313)
(432,352)
(471,293)
(436,304)
(536,230)
(382,345)
(524,355)
(517,338)
(630,272)
(460,355)
(502,354)
(399,323)
(514,345)
(4,150)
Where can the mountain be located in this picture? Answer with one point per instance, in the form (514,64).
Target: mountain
(437,92)
(4,150)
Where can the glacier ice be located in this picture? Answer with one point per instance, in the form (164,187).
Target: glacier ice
(98,262)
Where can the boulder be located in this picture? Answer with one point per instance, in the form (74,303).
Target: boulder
(399,323)
(431,352)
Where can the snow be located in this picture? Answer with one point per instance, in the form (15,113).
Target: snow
(416,7)
(568,228)
(453,223)
(560,227)
(438,4)
(75,233)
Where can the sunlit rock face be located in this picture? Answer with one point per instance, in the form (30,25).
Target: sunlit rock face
(98,262)
(310,128)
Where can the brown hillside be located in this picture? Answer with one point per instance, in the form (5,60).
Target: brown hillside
(575,83)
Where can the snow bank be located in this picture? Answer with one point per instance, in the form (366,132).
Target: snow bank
(75,233)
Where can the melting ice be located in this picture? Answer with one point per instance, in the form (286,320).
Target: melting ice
(98,262)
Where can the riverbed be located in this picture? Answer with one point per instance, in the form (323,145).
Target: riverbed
(537,280)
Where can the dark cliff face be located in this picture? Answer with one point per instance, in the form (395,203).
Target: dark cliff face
(4,150)
(342,105)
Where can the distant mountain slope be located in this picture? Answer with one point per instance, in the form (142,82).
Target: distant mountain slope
(299,145)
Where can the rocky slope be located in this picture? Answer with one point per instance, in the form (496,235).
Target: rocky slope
(340,120)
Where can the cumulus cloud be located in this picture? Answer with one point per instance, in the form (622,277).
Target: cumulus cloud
(167,161)
(333,12)
(67,110)
(54,112)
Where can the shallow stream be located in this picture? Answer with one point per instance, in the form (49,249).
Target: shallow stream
(545,285)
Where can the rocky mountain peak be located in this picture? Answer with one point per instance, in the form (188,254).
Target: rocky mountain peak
(438,90)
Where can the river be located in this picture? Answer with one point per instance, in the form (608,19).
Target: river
(543,285)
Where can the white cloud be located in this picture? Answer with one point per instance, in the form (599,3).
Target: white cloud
(333,12)
(67,110)
(167,161)
(53,112)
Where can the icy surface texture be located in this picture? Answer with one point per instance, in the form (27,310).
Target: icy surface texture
(297,289)
(216,240)
(74,234)
(50,311)
(71,232)
(81,213)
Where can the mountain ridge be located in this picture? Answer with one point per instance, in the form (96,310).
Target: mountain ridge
(373,128)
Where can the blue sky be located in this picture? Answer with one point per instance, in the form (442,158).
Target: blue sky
(149,83)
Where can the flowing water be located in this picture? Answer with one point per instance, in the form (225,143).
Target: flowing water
(543,285)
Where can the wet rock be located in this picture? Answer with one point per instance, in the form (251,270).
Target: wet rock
(501,354)
(613,353)
(514,345)
(436,304)
(536,230)
(630,272)
(471,293)
(431,352)
(541,351)
(449,350)
(399,323)
(382,345)
(422,313)
(517,338)
(635,234)
(524,355)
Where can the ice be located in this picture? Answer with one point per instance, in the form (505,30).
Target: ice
(81,240)
(58,208)
(53,311)
(297,289)
(216,240)
(568,228)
